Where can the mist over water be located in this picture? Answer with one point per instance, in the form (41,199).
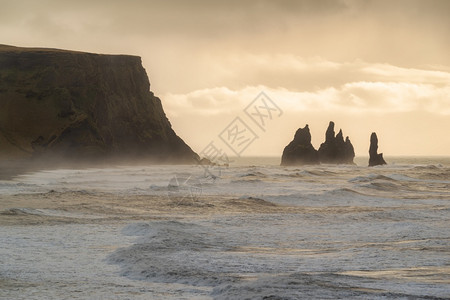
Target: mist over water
(254,230)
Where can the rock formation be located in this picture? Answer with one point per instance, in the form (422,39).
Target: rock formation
(300,151)
(82,105)
(335,150)
(375,158)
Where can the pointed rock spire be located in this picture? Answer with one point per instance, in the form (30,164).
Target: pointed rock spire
(334,150)
(375,158)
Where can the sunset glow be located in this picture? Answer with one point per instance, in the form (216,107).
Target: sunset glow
(379,66)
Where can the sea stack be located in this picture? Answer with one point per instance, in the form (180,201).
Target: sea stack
(300,151)
(335,150)
(375,159)
(76,105)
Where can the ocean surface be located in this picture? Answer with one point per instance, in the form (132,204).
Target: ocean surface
(259,231)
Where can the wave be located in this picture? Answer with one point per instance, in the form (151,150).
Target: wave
(393,183)
(308,173)
(254,174)
(383,186)
(402,177)
(297,174)
(250,201)
(147,229)
(19,211)
(428,167)
(345,192)
(331,198)
(439,174)
(312,286)
(159,188)
(24,211)
(246,181)
(322,173)
(371,177)
(12,187)
(171,251)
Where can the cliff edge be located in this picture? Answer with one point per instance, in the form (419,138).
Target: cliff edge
(75,105)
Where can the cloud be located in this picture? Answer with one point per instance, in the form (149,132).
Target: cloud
(406,32)
(387,97)
(355,60)
(344,87)
(401,113)
(295,73)
(355,97)
(390,72)
(191,45)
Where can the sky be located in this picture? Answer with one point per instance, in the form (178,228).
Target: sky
(368,65)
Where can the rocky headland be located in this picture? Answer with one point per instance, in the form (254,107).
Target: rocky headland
(78,106)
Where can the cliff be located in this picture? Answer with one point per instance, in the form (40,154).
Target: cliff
(79,105)
(300,151)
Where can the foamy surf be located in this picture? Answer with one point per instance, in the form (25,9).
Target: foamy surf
(253,232)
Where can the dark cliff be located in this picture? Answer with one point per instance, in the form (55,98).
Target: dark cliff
(82,105)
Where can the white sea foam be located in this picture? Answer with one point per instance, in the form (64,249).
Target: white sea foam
(353,232)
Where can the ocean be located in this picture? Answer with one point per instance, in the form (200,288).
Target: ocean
(253,230)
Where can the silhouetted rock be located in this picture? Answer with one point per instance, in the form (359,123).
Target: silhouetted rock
(335,150)
(82,105)
(349,150)
(300,151)
(375,158)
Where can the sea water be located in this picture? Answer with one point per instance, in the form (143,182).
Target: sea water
(350,231)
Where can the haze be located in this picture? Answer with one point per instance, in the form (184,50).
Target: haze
(380,66)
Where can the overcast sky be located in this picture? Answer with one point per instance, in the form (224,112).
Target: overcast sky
(369,66)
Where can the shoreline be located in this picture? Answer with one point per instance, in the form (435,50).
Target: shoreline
(12,168)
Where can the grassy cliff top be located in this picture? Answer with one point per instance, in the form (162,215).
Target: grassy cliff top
(8,48)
